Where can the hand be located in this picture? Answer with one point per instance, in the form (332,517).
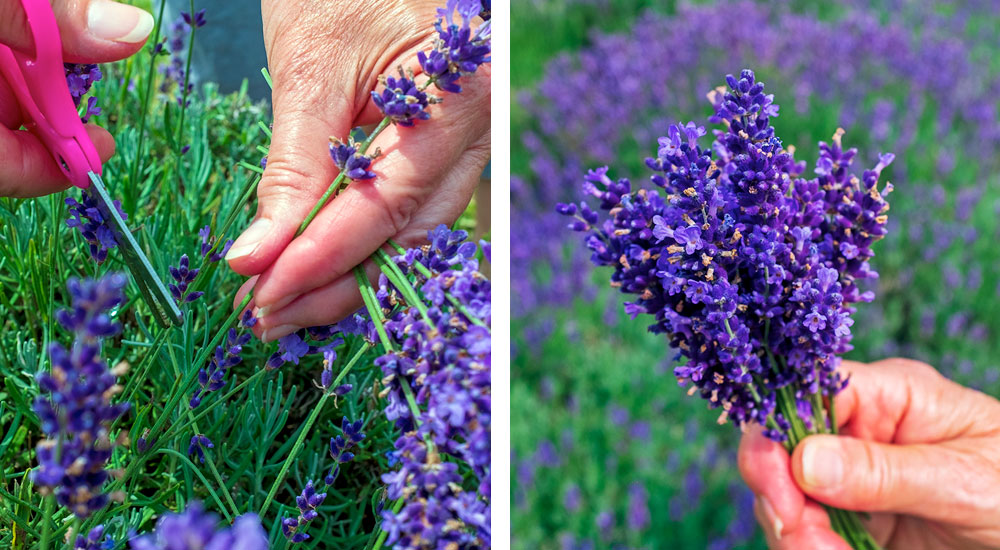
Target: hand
(918,451)
(325,58)
(92,31)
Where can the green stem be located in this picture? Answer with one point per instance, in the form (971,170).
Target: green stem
(178,428)
(306,430)
(339,180)
(422,269)
(194,424)
(187,77)
(399,280)
(136,165)
(50,502)
(396,507)
(371,303)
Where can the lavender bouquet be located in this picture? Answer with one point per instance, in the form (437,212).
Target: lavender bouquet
(749,268)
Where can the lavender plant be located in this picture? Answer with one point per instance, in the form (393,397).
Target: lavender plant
(210,404)
(749,269)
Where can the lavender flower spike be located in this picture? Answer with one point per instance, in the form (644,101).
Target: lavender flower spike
(75,406)
(307,503)
(339,446)
(401,100)
(196,529)
(345,156)
(183,275)
(87,218)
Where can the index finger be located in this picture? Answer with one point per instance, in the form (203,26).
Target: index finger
(904,401)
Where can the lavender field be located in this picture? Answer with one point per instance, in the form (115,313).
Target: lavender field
(607,451)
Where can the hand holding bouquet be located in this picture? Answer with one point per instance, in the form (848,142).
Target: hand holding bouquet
(749,268)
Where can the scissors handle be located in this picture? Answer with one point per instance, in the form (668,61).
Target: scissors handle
(39,83)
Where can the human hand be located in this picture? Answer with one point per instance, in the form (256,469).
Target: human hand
(92,31)
(325,59)
(918,451)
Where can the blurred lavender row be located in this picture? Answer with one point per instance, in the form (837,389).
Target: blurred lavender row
(920,83)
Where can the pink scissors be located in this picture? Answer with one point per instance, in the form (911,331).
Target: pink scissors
(40,86)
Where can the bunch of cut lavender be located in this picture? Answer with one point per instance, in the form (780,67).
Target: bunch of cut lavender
(75,407)
(439,362)
(749,268)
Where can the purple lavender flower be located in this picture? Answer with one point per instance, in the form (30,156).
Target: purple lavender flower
(87,218)
(197,446)
(208,241)
(638,507)
(339,447)
(458,50)
(291,348)
(174,71)
(347,159)
(93,540)
(183,275)
(746,272)
(197,21)
(307,503)
(213,377)
(401,100)
(75,407)
(80,77)
(196,529)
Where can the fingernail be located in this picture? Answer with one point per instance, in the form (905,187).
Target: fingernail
(822,463)
(263,311)
(250,240)
(277,332)
(118,22)
(772,517)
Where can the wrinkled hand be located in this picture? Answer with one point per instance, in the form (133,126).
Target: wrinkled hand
(325,58)
(92,31)
(918,451)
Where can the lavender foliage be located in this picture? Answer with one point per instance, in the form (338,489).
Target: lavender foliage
(75,407)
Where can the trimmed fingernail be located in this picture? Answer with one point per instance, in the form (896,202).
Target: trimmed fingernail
(277,332)
(263,311)
(822,462)
(250,240)
(772,517)
(118,22)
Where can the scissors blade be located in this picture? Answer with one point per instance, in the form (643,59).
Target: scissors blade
(152,288)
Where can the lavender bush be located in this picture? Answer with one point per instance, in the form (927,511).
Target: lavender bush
(197,436)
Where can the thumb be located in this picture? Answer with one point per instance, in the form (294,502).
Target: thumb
(298,172)
(855,474)
(92,31)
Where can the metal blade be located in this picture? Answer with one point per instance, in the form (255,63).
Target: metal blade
(154,292)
